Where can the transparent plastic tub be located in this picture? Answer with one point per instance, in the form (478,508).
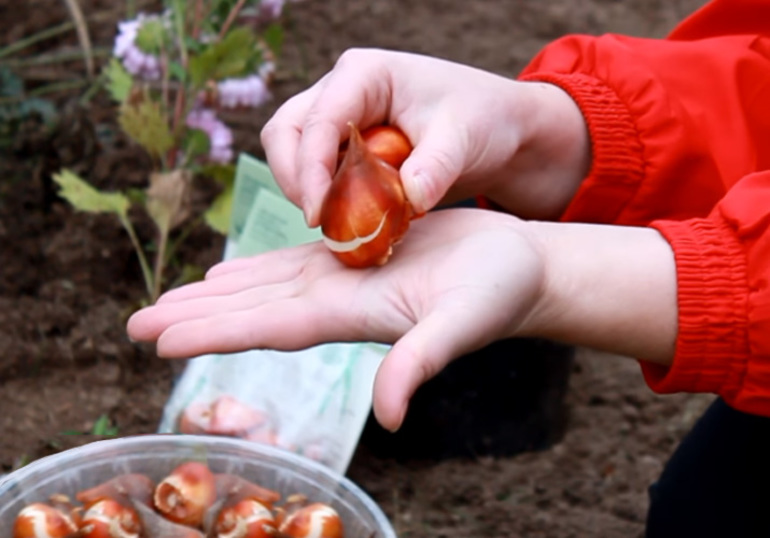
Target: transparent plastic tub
(156,455)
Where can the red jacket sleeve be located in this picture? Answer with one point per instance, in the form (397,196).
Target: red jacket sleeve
(723,265)
(680,140)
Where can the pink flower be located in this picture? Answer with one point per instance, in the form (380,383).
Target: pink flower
(271,9)
(220,135)
(135,61)
(243,92)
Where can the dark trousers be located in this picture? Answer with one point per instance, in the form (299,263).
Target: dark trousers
(717,483)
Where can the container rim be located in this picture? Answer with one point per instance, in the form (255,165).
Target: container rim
(146,441)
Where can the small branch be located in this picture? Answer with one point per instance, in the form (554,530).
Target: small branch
(179,21)
(83,36)
(146,273)
(175,244)
(231,18)
(160,264)
(23,43)
(61,56)
(164,88)
(64,85)
(197,19)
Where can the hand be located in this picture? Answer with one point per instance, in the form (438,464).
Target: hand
(459,280)
(522,144)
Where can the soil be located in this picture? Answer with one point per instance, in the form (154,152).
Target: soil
(68,281)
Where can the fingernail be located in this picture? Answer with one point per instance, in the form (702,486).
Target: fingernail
(414,185)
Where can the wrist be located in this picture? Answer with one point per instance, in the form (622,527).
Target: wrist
(607,287)
(553,155)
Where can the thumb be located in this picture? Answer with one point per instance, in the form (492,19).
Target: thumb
(434,165)
(417,357)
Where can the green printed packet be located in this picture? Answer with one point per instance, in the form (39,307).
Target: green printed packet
(262,218)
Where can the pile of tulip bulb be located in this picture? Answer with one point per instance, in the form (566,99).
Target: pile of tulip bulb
(191,502)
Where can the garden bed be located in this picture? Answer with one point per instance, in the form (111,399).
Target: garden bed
(68,281)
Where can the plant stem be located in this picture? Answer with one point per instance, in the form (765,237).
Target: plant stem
(179,22)
(181,237)
(160,264)
(231,18)
(197,19)
(91,92)
(84,36)
(48,33)
(57,87)
(64,55)
(149,283)
(130,9)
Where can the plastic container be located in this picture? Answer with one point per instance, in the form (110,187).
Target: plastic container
(156,455)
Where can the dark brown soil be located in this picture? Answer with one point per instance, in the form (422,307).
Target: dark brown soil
(68,281)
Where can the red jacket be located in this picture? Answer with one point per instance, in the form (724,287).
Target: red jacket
(680,135)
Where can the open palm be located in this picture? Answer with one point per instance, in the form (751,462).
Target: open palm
(459,280)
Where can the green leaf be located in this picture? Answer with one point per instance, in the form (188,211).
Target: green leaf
(177,71)
(104,427)
(119,81)
(196,143)
(218,214)
(151,36)
(147,126)
(237,55)
(136,196)
(223,174)
(84,197)
(273,36)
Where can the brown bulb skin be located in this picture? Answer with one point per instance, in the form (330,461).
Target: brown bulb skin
(387,142)
(365,211)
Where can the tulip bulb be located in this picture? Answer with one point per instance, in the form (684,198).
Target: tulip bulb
(39,520)
(365,211)
(110,519)
(247,518)
(387,142)
(316,520)
(186,494)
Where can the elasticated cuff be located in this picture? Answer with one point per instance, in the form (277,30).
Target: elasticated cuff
(617,163)
(712,350)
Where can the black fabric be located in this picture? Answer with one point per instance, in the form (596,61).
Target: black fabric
(717,483)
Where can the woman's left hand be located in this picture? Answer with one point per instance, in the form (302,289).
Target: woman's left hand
(460,279)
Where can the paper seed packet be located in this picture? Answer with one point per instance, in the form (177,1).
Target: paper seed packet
(313,402)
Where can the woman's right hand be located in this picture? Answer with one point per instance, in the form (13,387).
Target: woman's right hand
(524,145)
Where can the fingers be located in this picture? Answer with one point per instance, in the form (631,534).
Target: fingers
(280,138)
(272,325)
(235,284)
(418,356)
(296,316)
(435,164)
(302,139)
(149,324)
